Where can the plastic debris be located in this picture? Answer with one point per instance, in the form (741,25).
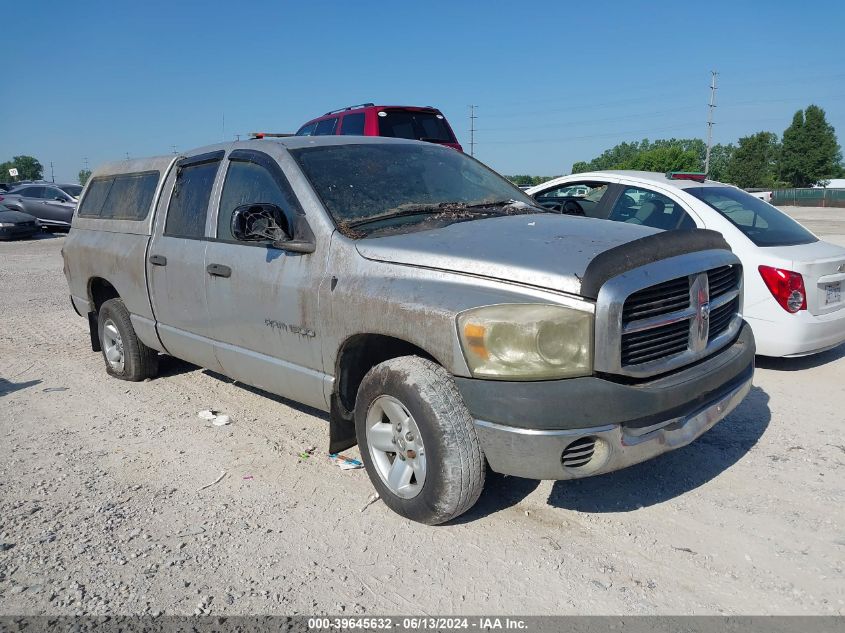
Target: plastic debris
(216,481)
(308,452)
(370,501)
(54,389)
(248,477)
(221,420)
(215,417)
(345,463)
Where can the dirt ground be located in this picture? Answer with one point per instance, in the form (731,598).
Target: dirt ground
(104,509)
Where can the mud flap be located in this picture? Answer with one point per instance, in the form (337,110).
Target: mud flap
(93,330)
(341,427)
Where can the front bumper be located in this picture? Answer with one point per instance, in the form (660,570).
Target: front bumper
(602,426)
(17,231)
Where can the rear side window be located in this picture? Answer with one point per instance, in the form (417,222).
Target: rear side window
(92,204)
(325,127)
(649,208)
(353,124)
(189,201)
(422,126)
(121,197)
(759,221)
(307,130)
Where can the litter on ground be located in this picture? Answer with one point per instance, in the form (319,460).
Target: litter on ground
(344,462)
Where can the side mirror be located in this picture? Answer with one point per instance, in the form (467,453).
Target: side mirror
(61,199)
(259,223)
(265,222)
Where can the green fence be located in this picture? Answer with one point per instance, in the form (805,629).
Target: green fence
(809,197)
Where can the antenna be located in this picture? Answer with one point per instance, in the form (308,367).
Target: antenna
(472,119)
(710,123)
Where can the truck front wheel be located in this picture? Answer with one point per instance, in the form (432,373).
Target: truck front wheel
(126,356)
(418,440)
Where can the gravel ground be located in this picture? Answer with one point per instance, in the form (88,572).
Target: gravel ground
(106,507)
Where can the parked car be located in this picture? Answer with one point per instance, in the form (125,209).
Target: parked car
(793,285)
(440,317)
(367,119)
(52,204)
(14,224)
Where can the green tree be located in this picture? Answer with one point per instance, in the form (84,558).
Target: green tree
(720,156)
(84,175)
(661,155)
(28,169)
(810,153)
(754,162)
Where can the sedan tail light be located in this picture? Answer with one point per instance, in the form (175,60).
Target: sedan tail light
(787,288)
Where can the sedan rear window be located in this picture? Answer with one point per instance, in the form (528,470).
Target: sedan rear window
(759,221)
(421,126)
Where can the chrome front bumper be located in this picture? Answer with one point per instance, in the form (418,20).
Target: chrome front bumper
(537,454)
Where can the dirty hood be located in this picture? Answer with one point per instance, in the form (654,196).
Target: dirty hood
(545,250)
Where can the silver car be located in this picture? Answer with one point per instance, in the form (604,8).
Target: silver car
(52,204)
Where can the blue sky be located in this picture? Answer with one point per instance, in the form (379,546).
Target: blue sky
(554,82)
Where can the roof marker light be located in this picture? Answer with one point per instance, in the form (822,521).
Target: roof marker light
(686,175)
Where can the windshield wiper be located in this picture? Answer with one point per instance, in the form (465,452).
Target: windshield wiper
(417,210)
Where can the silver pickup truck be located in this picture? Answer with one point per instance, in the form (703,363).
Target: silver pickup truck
(444,321)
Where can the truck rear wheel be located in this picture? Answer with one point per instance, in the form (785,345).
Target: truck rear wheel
(126,356)
(418,440)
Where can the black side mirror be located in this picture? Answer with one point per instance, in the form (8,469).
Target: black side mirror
(259,223)
(265,222)
(61,198)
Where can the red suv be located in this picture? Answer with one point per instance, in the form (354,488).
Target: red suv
(368,119)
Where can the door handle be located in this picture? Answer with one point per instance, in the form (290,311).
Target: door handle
(158,260)
(219,270)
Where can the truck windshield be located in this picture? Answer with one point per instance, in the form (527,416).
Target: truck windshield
(759,221)
(357,182)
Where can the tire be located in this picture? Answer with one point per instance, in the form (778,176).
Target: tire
(443,447)
(136,361)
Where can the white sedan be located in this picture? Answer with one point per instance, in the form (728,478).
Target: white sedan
(793,281)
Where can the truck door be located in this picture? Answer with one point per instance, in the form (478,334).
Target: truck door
(176,260)
(263,301)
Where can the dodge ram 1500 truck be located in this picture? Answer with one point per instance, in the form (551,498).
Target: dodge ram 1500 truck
(442,319)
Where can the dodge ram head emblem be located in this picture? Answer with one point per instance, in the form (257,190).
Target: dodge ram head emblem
(700,322)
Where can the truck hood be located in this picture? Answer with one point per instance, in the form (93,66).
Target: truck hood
(544,250)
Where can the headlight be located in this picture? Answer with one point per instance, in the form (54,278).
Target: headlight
(6,225)
(527,341)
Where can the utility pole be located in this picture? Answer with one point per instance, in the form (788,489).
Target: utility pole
(710,123)
(52,173)
(472,119)
(174,149)
(127,155)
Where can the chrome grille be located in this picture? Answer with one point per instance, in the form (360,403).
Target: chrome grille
(679,320)
(666,297)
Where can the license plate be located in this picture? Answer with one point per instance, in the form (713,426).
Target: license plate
(833,293)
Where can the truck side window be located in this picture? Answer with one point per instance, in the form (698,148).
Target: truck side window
(188,208)
(247,183)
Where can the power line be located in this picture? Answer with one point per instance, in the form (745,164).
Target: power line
(472,119)
(710,123)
